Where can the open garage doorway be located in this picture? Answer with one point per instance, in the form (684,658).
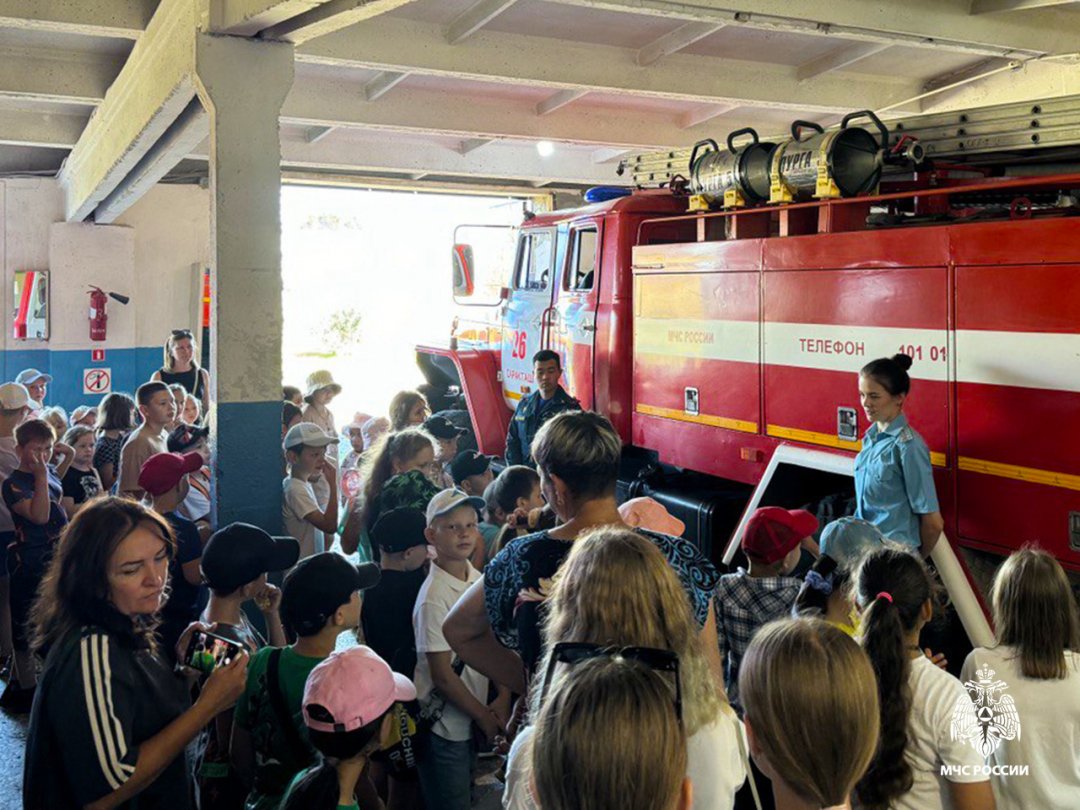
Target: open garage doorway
(367,276)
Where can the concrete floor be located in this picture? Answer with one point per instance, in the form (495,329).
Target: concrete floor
(12,745)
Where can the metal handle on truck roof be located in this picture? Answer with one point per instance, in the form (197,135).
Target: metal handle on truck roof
(744,131)
(882,131)
(797,128)
(698,145)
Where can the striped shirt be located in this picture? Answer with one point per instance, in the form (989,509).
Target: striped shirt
(98,699)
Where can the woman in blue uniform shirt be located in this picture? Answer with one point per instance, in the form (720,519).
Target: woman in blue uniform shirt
(894,482)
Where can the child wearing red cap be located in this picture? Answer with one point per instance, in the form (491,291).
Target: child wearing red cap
(165,478)
(745,600)
(347,702)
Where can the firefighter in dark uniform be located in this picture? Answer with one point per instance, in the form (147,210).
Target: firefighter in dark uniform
(548,399)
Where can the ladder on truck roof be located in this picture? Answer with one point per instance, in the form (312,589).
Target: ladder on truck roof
(1030,131)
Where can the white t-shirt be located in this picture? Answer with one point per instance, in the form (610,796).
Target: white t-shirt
(299,500)
(8,464)
(196,506)
(934,693)
(437,595)
(714,765)
(1049,738)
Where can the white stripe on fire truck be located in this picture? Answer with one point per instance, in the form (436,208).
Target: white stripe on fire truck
(1040,360)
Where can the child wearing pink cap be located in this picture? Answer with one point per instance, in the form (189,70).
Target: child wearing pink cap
(347,702)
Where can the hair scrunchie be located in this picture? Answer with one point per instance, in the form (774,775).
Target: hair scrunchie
(884,595)
(819,583)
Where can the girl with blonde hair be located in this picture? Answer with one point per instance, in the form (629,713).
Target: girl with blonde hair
(811,704)
(617,590)
(629,708)
(1037,658)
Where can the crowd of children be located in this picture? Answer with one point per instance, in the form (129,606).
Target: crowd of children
(521,612)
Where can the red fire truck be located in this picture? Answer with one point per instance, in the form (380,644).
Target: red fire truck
(713,338)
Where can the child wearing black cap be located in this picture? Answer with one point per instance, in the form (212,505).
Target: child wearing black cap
(446,435)
(472,474)
(234,564)
(320,600)
(387,621)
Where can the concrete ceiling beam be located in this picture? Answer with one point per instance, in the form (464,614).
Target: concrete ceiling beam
(119,19)
(691,120)
(558,101)
(152,90)
(316,134)
(682,37)
(400,45)
(843,57)
(997,6)
(940,25)
(471,145)
(608,155)
(382,84)
(26,128)
(329,17)
(496,161)
(246,18)
(56,76)
(185,134)
(474,18)
(324,103)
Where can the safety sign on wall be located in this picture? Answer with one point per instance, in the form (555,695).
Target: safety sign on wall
(97,381)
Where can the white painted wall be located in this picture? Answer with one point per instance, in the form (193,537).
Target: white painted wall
(172,235)
(171,230)
(151,254)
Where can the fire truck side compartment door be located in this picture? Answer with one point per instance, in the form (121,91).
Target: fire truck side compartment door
(573,327)
(526,311)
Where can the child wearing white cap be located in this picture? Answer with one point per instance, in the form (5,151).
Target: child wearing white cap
(452,696)
(305,451)
(37,386)
(347,703)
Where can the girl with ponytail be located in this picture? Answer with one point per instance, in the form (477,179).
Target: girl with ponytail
(918,700)
(894,481)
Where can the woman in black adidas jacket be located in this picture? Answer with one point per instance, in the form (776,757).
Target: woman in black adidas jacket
(110,718)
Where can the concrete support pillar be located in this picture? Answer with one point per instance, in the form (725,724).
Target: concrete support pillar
(242,84)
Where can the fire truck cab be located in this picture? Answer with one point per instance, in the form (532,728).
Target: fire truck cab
(568,288)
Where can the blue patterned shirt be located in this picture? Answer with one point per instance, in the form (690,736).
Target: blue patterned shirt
(517,582)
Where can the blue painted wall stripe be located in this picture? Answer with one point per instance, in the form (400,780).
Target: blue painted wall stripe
(248,463)
(130,369)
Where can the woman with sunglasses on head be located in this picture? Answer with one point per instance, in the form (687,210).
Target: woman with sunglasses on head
(608,718)
(181,367)
(616,590)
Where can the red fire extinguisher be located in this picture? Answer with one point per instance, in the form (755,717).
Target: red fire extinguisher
(98,317)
